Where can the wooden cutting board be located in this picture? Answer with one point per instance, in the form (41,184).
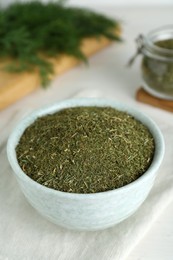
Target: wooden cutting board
(14,86)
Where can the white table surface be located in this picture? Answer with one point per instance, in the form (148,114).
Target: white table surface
(108,73)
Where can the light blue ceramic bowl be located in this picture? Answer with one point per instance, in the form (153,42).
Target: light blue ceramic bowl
(86,211)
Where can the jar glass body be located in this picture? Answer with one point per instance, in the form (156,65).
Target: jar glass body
(157,63)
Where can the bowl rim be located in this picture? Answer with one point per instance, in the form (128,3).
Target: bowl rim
(100,102)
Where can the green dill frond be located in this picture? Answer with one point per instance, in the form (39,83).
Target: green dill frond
(30,29)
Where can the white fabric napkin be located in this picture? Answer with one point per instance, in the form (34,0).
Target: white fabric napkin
(25,235)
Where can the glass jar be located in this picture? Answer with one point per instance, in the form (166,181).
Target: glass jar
(157,62)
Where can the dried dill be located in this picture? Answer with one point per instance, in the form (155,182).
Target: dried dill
(158,73)
(32,31)
(85,149)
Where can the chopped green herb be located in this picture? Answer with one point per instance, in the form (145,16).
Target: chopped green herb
(157,73)
(85,149)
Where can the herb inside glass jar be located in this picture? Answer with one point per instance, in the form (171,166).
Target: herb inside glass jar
(157,62)
(158,73)
(85,149)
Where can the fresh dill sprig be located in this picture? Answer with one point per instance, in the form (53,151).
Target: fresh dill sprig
(32,31)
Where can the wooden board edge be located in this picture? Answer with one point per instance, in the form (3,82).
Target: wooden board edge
(144,97)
